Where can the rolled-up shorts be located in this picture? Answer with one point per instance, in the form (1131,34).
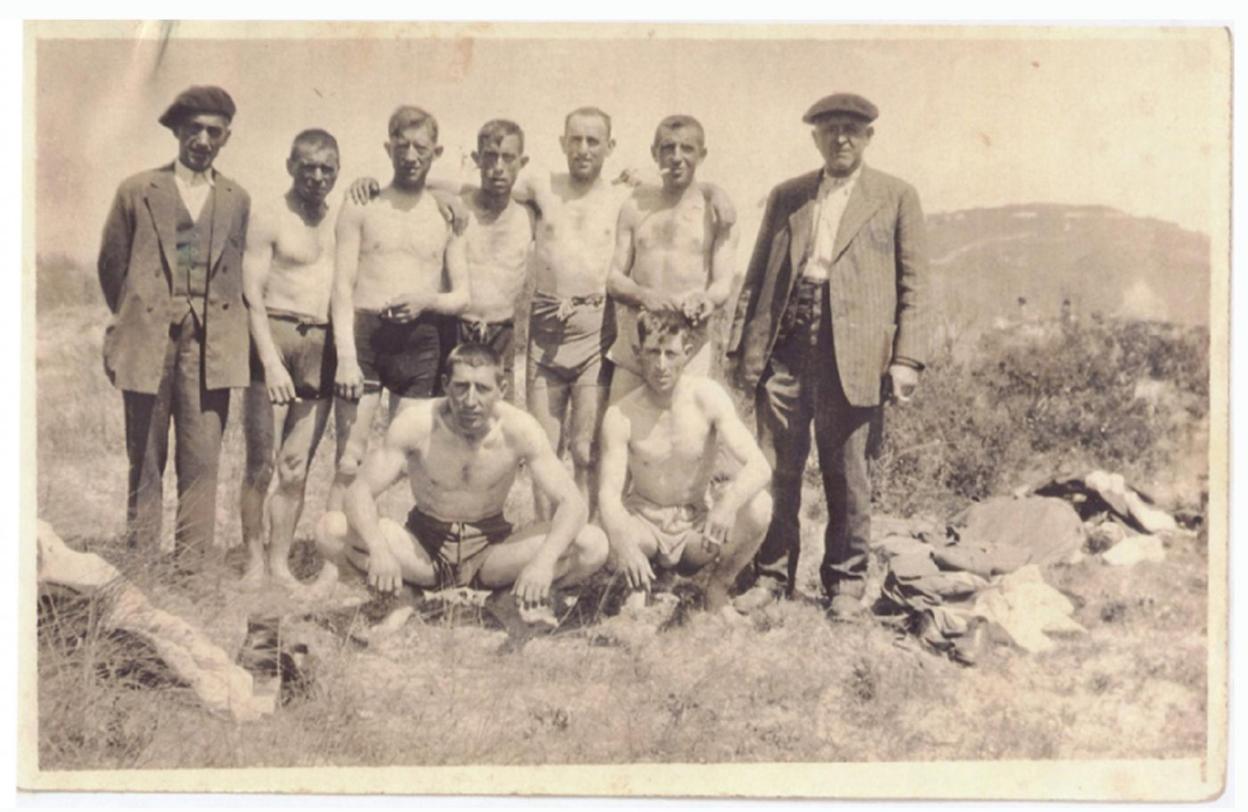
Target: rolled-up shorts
(567,341)
(306,348)
(400,357)
(672,527)
(457,549)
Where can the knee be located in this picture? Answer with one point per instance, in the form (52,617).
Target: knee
(757,512)
(292,472)
(331,533)
(583,449)
(258,471)
(592,547)
(349,463)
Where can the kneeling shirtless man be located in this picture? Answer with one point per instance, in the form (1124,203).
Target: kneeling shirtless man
(461,453)
(666,435)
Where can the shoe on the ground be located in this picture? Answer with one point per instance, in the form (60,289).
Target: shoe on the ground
(845,607)
(755,598)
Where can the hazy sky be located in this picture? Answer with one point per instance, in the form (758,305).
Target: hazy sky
(1134,120)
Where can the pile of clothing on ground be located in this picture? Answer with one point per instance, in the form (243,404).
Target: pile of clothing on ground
(979,579)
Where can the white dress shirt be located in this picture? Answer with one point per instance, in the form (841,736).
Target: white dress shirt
(833,197)
(193,187)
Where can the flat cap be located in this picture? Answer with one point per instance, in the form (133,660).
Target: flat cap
(847,103)
(198,99)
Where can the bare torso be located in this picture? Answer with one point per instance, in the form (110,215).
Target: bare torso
(672,241)
(456,480)
(402,244)
(498,246)
(576,241)
(671,451)
(301,273)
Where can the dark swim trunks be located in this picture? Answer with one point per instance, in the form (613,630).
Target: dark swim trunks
(567,340)
(400,357)
(457,548)
(305,347)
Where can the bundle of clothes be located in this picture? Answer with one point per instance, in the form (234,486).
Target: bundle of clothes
(979,579)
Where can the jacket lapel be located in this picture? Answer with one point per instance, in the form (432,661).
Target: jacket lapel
(802,220)
(223,202)
(863,201)
(162,203)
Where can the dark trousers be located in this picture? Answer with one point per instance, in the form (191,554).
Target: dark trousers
(801,385)
(199,417)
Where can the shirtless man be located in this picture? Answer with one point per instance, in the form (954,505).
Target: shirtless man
(388,290)
(671,252)
(498,241)
(667,435)
(565,375)
(287,275)
(461,454)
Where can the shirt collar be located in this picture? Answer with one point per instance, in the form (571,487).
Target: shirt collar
(190,177)
(828,184)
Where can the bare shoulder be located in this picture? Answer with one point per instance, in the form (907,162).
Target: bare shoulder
(413,424)
(520,428)
(350,212)
(616,420)
(711,396)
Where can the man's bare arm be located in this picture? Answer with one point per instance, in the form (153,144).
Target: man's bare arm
(570,512)
(455,300)
(755,472)
(348,381)
(612,477)
(257,260)
(723,258)
(381,469)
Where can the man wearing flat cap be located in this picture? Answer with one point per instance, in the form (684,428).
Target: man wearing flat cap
(170,268)
(832,319)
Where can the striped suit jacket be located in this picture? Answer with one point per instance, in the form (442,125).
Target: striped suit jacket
(138,254)
(877,286)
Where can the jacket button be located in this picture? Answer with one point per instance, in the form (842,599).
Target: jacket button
(225,306)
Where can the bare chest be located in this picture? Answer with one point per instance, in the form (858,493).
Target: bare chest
(684,229)
(300,244)
(420,232)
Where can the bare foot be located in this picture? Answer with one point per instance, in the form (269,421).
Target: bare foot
(254,575)
(283,576)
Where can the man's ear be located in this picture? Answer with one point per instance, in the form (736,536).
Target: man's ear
(291,166)
(386,146)
(523,162)
(225,137)
(610,145)
(437,151)
(476,159)
(870,133)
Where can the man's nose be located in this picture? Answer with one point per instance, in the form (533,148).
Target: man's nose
(201,139)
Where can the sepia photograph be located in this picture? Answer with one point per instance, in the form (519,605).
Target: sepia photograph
(626,409)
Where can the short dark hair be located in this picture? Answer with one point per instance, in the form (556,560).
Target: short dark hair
(679,122)
(473,354)
(408,115)
(588,111)
(664,323)
(496,130)
(315,139)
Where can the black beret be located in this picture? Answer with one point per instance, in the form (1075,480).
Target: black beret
(198,99)
(848,103)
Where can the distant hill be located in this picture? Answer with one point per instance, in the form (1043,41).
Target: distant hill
(1098,258)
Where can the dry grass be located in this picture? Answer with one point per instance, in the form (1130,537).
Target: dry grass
(786,685)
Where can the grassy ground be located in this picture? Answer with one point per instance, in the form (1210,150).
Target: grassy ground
(785,685)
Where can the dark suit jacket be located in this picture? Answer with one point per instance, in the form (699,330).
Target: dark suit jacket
(137,256)
(877,284)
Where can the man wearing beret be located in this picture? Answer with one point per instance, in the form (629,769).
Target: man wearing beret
(170,268)
(832,318)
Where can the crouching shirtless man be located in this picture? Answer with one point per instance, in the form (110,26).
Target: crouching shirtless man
(461,453)
(666,435)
